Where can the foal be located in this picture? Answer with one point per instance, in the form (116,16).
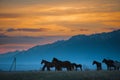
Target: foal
(76,66)
(98,65)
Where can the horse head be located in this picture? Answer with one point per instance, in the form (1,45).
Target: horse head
(42,61)
(80,65)
(55,60)
(104,60)
(74,64)
(94,62)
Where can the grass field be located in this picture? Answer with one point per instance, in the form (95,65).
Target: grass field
(61,75)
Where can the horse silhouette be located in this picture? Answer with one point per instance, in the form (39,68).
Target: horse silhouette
(62,64)
(109,64)
(76,66)
(98,65)
(47,65)
(117,65)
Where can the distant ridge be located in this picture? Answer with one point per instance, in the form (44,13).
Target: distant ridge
(79,48)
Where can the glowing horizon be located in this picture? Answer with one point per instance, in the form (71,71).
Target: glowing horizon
(64,18)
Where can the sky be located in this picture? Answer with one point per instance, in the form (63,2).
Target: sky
(26,23)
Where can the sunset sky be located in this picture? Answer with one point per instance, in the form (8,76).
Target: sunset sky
(26,23)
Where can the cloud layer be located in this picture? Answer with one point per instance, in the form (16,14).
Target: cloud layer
(26,29)
(39,18)
(24,42)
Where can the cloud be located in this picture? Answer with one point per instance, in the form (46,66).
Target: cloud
(9,15)
(1,29)
(55,2)
(10,30)
(44,13)
(21,43)
(111,28)
(84,29)
(3,35)
(18,40)
(81,30)
(29,40)
(59,7)
(27,29)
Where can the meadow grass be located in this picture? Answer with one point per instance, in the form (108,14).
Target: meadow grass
(61,75)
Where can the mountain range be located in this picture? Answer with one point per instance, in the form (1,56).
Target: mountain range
(79,48)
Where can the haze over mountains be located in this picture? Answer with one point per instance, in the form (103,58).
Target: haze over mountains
(80,49)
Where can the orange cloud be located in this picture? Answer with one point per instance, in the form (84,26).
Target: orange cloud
(35,18)
(48,16)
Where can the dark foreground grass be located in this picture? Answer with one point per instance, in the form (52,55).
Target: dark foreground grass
(61,75)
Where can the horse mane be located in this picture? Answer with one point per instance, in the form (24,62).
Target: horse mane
(55,59)
(95,61)
(108,59)
(45,60)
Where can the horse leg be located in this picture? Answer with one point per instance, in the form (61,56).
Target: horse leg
(81,68)
(107,67)
(100,67)
(55,69)
(97,68)
(58,68)
(43,68)
(110,68)
(76,69)
(71,68)
(48,68)
(117,68)
(68,68)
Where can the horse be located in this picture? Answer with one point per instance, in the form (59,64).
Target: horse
(47,65)
(62,64)
(117,65)
(76,66)
(109,63)
(98,64)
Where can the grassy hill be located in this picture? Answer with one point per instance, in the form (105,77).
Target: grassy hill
(61,75)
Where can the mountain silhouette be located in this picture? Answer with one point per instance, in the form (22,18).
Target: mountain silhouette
(79,48)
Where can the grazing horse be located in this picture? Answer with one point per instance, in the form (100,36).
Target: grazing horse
(61,64)
(76,66)
(98,64)
(109,63)
(47,65)
(117,65)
